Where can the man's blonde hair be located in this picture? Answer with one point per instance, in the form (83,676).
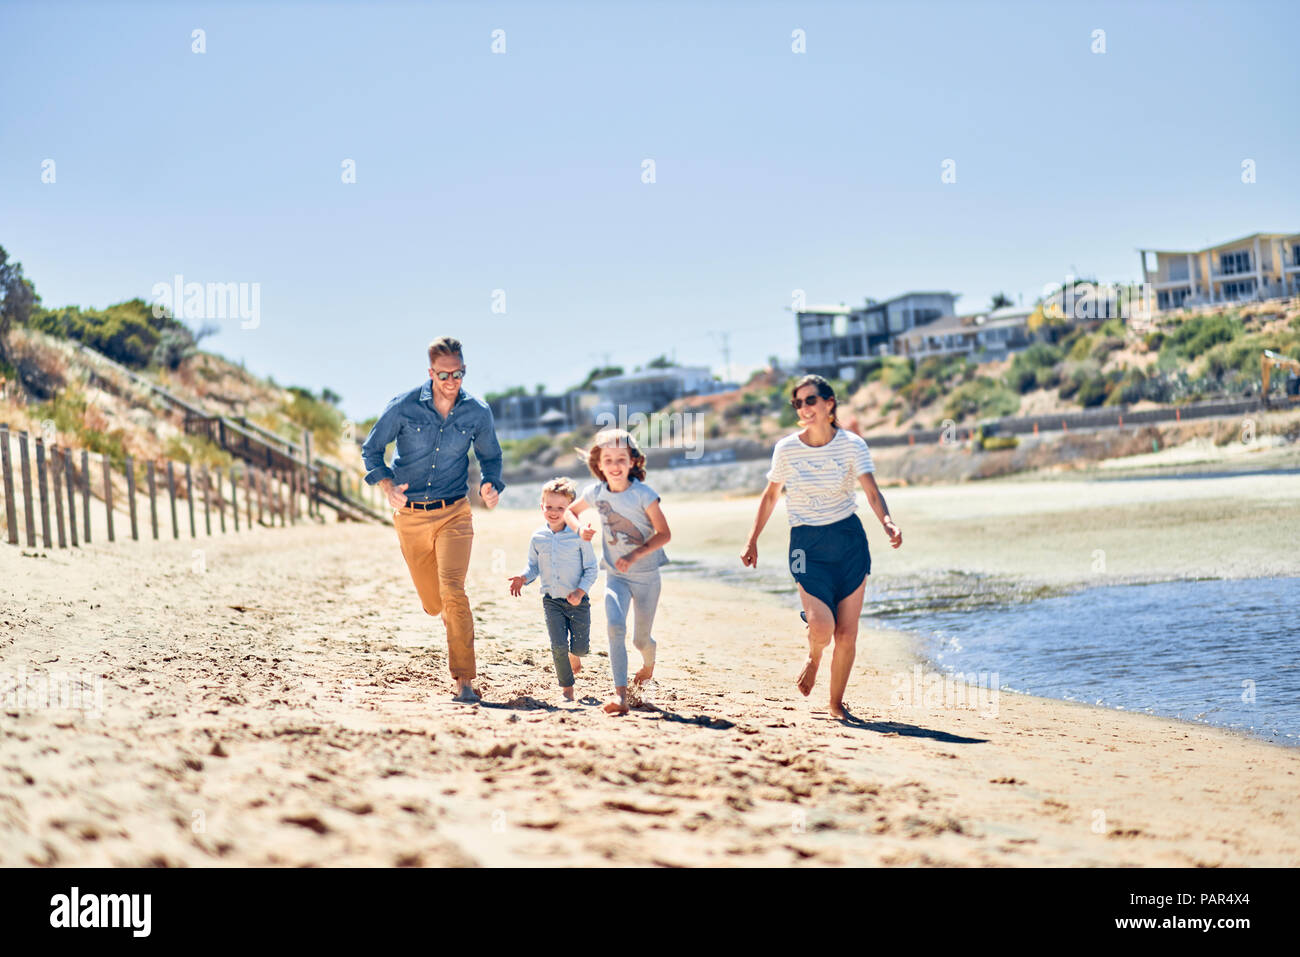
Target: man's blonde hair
(445,346)
(563,486)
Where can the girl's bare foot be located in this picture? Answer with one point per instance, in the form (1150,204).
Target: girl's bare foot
(644,675)
(808,677)
(568,693)
(575,663)
(618,703)
(840,712)
(466,694)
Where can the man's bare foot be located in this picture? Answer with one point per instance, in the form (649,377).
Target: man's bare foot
(617,704)
(645,674)
(575,663)
(808,677)
(466,695)
(568,693)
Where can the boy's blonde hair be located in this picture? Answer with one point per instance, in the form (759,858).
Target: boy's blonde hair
(563,485)
(612,439)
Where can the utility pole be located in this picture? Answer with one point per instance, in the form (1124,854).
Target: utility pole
(726,353)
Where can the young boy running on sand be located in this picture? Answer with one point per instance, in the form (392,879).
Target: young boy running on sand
(634,534)
(567,566)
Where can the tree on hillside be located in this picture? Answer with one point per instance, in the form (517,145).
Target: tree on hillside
(1000,301)
(600,372)
(17,298)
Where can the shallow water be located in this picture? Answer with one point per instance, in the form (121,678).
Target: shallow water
(1222,652)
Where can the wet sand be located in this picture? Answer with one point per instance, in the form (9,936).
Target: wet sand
(279,698)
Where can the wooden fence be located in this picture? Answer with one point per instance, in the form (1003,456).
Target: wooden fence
(61,489)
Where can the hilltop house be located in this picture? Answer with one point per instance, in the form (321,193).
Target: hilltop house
(1258,266)
(832,339)
(984,336)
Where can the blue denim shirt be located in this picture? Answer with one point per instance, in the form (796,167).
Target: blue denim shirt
(563,559)
(432,452)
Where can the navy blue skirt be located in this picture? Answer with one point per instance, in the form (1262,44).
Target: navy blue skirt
(830,561)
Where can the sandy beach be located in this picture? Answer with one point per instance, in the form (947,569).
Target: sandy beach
(279,698)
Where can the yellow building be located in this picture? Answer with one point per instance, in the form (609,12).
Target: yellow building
(1255,267)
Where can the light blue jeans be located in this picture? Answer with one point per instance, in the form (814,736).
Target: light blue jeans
(641,597)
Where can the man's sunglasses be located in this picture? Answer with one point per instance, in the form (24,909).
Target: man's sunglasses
(444,376)
(810,401)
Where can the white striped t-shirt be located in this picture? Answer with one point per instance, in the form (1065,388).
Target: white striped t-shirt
(821,483)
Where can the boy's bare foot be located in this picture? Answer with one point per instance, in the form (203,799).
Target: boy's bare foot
(568,693)
(808,677)
(575,663)
(645,674)
(617,704)
(466,695)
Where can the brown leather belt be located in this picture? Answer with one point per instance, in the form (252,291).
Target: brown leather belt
(433,503)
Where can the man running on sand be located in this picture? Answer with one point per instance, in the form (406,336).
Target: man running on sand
(434,426)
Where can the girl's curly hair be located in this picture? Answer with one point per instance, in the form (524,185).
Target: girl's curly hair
(610,439)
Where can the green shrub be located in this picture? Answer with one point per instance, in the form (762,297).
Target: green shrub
(983,397)
(127,332)
(1199,334)
(1092,391)
(1104,346)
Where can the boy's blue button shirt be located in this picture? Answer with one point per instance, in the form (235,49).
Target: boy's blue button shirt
(432,457)
(564,560)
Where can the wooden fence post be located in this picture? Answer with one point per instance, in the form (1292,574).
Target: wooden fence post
(171,496)
(85,495)
(221,502)
(313,508)
(42,479)
(234,498)
(11,506)
(130,498)
(206,479)
(282,499)
(70,470)
(248,495)
(261,499)
(153,497)
(189,497)
(108,496)
(29,503)
(55,467)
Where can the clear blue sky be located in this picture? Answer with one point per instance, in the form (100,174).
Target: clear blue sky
(522,171)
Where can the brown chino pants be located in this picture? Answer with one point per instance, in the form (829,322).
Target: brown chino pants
(436,545)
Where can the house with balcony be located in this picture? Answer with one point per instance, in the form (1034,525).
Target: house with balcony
(982,336)
(1256,267)
(834,339)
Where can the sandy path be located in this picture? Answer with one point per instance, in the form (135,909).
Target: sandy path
(314,727)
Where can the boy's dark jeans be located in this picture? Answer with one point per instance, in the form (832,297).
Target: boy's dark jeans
(570,629)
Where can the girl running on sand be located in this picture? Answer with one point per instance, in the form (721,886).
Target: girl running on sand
(633,536)
(820,468)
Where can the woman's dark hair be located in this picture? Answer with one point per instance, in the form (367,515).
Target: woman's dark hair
(823,389)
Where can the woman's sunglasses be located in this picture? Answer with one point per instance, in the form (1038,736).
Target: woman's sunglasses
(443,376)
(810,401)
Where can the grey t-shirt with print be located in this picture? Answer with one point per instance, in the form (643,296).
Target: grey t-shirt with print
(624,525)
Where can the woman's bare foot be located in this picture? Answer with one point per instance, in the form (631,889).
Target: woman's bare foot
(618,703)
(808,677)
(466,695)
(841,713)
(575,663)
(644,675)
(567,692)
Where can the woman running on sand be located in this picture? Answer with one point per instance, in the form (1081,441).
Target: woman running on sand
(820,468)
